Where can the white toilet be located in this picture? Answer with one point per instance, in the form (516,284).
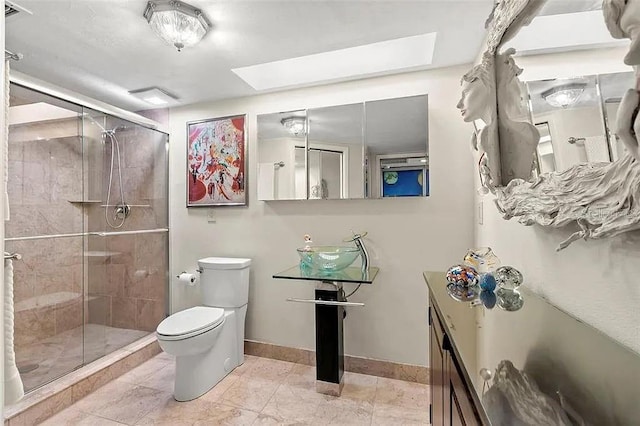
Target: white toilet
(208,341)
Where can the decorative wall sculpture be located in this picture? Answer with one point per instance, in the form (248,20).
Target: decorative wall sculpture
(602,199)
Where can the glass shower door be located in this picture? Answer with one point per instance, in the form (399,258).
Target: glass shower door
(45,197)
(127,232)
(89,216)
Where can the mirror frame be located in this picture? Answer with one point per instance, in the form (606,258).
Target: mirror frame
(597,197)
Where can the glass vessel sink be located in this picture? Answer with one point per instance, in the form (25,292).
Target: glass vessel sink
(327,258)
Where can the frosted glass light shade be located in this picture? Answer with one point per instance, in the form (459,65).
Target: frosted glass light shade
(295,125)
(177,23)
(563,96)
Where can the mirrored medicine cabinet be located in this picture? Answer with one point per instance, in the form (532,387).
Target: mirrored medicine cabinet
(372,149)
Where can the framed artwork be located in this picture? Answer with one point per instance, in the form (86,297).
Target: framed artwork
(217,162)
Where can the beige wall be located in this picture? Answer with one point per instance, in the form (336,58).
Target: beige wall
(406,236)
(595,281)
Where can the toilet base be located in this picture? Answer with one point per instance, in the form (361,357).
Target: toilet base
(199,373)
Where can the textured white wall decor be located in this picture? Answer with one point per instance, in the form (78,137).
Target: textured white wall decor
(601,198)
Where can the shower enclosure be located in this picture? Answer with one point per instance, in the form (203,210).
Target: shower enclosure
(88,197)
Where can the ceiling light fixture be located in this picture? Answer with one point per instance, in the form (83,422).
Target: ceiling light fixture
(295,125)
(154,96)
(564,95)
(177,23)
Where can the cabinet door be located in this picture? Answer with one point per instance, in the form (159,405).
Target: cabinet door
(457,418)
(438,380)
(439,374)
(462,411)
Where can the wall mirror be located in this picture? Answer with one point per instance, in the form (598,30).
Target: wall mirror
(373,149)
(562,151)
(574,117)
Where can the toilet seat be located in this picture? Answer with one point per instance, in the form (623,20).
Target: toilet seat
(190,322)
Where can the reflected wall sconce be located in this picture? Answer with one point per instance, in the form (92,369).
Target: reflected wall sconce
(564,95)
(295,125)
(177,23)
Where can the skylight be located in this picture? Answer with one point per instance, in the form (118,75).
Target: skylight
(376,58)
(567,31)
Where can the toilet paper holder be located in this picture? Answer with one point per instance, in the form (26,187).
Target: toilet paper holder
(200,270)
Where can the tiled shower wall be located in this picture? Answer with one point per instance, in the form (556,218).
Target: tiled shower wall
(128,273)
(127,287)
(45,172)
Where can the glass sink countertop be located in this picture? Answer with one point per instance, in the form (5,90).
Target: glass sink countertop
(348,275)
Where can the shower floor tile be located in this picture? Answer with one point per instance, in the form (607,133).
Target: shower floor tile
(56,356)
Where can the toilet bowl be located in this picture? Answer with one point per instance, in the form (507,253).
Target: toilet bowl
(208,341)
(191,331)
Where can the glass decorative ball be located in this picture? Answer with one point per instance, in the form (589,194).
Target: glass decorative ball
(487,282)
(462,275)
(462,293)
(482,259)
(509,300)
(508,277)
(488,299)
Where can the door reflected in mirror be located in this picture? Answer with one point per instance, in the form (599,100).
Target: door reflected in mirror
(335,152)
(374,149)
(281,156)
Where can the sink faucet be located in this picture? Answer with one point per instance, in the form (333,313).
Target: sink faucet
(357,240)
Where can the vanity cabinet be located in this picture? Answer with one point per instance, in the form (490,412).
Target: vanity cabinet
(451,401)
(515,362)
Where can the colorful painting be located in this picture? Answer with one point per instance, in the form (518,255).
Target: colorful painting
(216,162)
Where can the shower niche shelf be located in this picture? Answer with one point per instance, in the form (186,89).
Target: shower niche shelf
(85,201)
(96,253)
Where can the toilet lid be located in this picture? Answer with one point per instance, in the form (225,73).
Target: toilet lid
(191,320)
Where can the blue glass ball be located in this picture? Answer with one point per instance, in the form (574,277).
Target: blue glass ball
(488,299)
(488,282)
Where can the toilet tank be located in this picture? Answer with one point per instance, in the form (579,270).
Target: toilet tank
(224,281)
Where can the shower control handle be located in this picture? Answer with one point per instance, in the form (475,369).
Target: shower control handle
(122,211)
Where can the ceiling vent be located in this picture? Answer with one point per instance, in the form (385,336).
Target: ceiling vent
(10,9)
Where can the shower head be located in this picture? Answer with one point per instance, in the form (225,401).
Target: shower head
(109,132)
(115,129)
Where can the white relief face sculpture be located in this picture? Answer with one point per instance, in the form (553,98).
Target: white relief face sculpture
(473,101)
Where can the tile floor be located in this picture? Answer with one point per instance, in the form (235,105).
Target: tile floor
(260,392)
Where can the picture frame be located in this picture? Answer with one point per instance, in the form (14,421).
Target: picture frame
(217,162)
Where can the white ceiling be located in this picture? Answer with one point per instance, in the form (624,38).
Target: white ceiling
(396,126)
(104,48)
